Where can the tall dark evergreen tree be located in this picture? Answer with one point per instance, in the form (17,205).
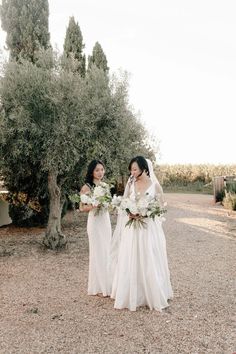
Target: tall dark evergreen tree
(26,24)
(74,46)
(98,58)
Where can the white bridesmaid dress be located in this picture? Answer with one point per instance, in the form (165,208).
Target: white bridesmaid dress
(99,234)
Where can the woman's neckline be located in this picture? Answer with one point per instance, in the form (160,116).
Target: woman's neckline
(145,191)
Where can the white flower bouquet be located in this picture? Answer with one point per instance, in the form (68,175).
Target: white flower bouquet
(99,197)
(140,208)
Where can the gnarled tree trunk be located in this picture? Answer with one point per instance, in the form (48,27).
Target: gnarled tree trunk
(54,238)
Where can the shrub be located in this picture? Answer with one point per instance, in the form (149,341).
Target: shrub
(26,212)
(22,215)
(229,200)
(231,186)
(220,196)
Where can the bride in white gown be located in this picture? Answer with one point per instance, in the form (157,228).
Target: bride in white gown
(138,259)
(99,234)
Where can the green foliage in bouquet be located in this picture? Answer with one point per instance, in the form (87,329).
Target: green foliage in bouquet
(75,198)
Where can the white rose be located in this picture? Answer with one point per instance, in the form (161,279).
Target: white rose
(85,199)
(94,201)
(116,201)
(98,192)
(143,211)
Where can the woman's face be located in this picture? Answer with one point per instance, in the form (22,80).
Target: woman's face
(98,172)
(135,170)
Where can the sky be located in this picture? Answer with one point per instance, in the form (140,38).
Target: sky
(181,60)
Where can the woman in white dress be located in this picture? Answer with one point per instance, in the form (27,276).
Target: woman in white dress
(99,234)
(141,275)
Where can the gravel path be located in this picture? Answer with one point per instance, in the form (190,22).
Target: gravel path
(44,307)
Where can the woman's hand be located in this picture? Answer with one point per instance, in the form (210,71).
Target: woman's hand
(85,207)
(134,216)
(89,207)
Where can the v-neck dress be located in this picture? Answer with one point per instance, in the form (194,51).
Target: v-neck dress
(141,275)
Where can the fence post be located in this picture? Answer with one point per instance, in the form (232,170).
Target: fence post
(218,187)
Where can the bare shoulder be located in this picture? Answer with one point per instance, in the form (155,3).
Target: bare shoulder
(85,189)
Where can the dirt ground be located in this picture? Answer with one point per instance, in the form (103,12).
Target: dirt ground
(44,306)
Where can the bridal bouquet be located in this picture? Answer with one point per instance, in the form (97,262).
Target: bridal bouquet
(140,208)
(99,197)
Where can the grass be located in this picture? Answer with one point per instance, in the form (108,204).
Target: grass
(195,187)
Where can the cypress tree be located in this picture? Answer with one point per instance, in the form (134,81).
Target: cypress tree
(98,58)
(74,46)
(26,24)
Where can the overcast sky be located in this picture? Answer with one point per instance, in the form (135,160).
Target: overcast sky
(181,56)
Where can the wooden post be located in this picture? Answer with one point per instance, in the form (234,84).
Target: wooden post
(218,187)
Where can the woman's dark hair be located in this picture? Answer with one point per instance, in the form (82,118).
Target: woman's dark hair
(91,167)
(142,164)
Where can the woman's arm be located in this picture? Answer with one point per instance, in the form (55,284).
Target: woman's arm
(84,207)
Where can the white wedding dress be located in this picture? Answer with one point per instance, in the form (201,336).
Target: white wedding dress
(99,233)
(140,272)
